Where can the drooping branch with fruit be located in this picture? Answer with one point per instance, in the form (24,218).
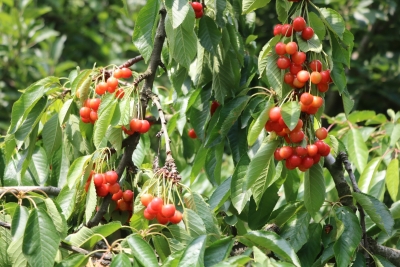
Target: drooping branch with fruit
(234,177)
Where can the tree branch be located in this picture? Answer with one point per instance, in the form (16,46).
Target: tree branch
(49,190)
(5,225)
(132,141)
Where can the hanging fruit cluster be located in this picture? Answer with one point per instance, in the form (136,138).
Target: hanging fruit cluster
(88,112)
(156,209)
(309,80)
(198,9)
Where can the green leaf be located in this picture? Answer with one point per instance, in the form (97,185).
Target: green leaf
(220,195)
(250,5)
(264,181)
(282,9)
(121,259)
(52,136)
(333,21)
(194,253)
(317,25)
(75,260)
(272,241)
(66,200)
(223,80)
(142,251)
(5,240)
(177,11)
(260,163)
(266,52)
(209,35)
(345,247)
(64,112)
(161,246)
(239,196)
(199,112)
(58,218)
(41,240)
(292,184)
(377,211)
(102,124)
(382,262)
(231,112)
(314,188)
(348,104)
(218,251)
(76,170)
(39,167)
(91,201)
(81,84)
(194,224)
(313,44)
(395,136)
(312,248)
(291,113)
(392,180)
(365,181)
(141,150)
(259,124)
(296,230)
(274,74)
(144,29)
(358,150)
(200,71)
(339,77)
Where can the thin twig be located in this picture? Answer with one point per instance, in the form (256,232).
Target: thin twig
(5,225)
(49,190)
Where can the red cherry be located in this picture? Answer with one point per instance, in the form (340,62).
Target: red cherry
(326,151)
(316,65)
(145,127)
(176,218)
(198,14)
(93,116)
(128,132)
(157,203)
(298,57)
(117,196)
(312,150)
(285,152)
(307,162)
(325,76)
(321,133)
(214,106)
(168,210)
(87,184)
(275,114)
(277,155)
(146,199)
(115,188)
(149,216)
(101,88)
(122,205)
(192,134)
(112,84)
(95,103)
(151,210)
(283,62)
(299,24)
(277,29)
(299,125)
(315,77)
(126,73)
(297,83)
(118,73)
(301,151)
(103,190)
(197,6)
(111,177)
(307,33)
(268,126)
(323,87)
(306,98)
(280,48)
(303,76)
(120,93)
(316,158)
(294,160)
(294,68)
(135,125)
(127,195)
(317,102)
(297,136)
(287,30)
(288,78)
(98,179)
(85,112)
(161,219)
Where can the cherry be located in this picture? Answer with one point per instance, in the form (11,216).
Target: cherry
(299,125)
(103,190)
(325,76)
(145,126)
(306,98)
(285,152)
(114,188)
(283,62)
(111,177)
(120,93)
(287,30)
(151,210)
(157,203)
(93,116)
(312,150)
(168,210)
(135,125)
(296,136)
(277,154)
(297,83)
(214,106)
(126,73)
(294,160)
(94,103)
(197,6)
(101,88)
(275,114)
(128,132)
(268,126)
(316,65)
(323,87)
(127,195)
(295,68)
(176,218)
(277,29)
(84,112)
(312,110)
(307,162)
(315,77)
(98,179)
(316,158)
(87,184)
(192,134)
(198,14)
(288,78)
(317,102)
(146,199)
(282,122)
(122,205)
(280,48)
(299,24)
(289,166)
(149,216)
(301,151)
(118,73)
(117,196)
(112,84)
(326,151)
(303,76)
(307,33)
(161,219)
(298,57)
(321,133)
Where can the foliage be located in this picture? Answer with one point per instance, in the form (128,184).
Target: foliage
(240,203)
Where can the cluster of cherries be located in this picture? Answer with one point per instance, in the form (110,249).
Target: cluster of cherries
(299,25)
(111,85)
(137,125)
(198,9)
(296,156)
(88,112)
(155,209)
